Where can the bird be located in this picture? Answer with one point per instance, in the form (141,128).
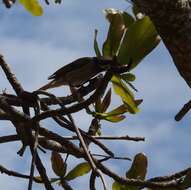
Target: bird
(78,72)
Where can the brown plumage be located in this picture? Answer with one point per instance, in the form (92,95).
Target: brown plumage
(77,72)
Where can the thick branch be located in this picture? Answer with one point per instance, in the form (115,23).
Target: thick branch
(173,23)
(10,76)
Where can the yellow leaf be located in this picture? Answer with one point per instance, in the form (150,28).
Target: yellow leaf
(127,96)
(32,6)
(79,170)
(115,118)
(138,168)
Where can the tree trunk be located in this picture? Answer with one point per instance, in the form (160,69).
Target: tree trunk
(172,19)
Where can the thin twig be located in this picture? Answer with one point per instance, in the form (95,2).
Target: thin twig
(9,138)
(72,148)
(126,137)
(186,108)
(37,111)
(87,153)
(171,177)
(89,156)
(11,77)
(115,157)
(61,121)
(16,174)
(92,181)
(43,141)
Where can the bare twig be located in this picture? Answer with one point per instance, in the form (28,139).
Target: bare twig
(9,138)
(89,156)
(62,122)
(43,141)
(119,138)
(16,174)
(92,181)
(11,77)
(72,148)
(87,153)
(37,111)
(186,108)
(15,114)
(15,137)
(114,157)
(171,177)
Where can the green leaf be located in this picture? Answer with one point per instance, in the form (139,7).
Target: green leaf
(116,186)
(140,39)
(114,115)
(118,111)
(58,165)
(96,47)
(115,32)
(117,81)
(127,96)
(128,77)
(79,170)
(138,168)
(115,118)
(128,19)
(32,6)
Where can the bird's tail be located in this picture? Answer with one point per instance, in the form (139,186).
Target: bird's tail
(51,84)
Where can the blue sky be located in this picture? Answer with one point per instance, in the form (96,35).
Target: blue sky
(36,47)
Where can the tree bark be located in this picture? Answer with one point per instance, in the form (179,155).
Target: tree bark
(172,19)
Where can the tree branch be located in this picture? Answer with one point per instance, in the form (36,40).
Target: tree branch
(173,23)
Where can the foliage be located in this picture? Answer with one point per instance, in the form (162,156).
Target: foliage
(138,170)
(130,38)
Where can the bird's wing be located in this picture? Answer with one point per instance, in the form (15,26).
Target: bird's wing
(67,68)
(52,84)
